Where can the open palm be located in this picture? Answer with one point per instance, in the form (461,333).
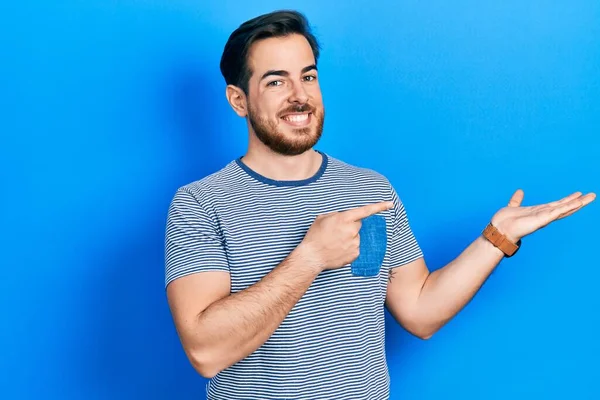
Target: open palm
(516,222)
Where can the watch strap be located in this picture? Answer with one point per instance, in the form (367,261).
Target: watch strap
(499,240)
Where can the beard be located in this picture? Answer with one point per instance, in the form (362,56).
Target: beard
(299,141)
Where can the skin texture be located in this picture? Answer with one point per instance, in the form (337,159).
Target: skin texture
(294,89)
(423,302)
(217,328)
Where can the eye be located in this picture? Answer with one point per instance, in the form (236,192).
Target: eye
(310,78)
(275,83)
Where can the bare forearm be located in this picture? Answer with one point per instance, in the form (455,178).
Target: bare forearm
(447,290)
(235,326)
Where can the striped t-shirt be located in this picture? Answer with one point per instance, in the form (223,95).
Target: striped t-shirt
(331,344)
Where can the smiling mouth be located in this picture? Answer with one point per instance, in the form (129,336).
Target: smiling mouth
(297,119)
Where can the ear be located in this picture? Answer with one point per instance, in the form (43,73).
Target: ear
(237,100)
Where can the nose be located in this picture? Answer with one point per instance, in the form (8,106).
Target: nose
(298,94)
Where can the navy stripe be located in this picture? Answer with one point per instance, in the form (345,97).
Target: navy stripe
(331,344)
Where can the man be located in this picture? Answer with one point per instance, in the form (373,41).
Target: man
(279,265)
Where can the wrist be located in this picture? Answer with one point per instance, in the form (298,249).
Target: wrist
(505,231)
(506,244)
(305,255)
(489,246)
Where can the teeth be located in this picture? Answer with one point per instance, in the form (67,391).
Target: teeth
(296,118)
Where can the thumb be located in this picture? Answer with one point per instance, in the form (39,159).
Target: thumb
(516,199)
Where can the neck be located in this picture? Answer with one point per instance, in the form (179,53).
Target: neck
(280,167)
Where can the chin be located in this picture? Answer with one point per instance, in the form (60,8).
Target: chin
(286,139)
(303,132)
(293,146)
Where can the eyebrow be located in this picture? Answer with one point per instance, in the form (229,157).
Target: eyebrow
(281,72)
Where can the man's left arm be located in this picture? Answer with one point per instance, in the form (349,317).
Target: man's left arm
(422,302)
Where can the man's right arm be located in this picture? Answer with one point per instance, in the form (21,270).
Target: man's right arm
(218,329)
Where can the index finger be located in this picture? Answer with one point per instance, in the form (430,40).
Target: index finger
(359,213)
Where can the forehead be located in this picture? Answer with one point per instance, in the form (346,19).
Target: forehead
(289,53)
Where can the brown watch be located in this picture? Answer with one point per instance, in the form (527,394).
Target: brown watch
(492,234)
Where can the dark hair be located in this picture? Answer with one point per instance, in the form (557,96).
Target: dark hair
(234,61)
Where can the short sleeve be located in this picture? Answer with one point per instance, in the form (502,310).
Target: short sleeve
(192,240)
(404,247)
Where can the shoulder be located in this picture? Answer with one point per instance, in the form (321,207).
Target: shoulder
(210,186)
(355,173)
(206,192)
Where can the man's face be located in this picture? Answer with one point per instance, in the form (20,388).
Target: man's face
(285,107)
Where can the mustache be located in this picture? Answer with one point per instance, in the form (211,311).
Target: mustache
(300,108)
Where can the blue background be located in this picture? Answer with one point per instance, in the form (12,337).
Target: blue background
(108,107)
